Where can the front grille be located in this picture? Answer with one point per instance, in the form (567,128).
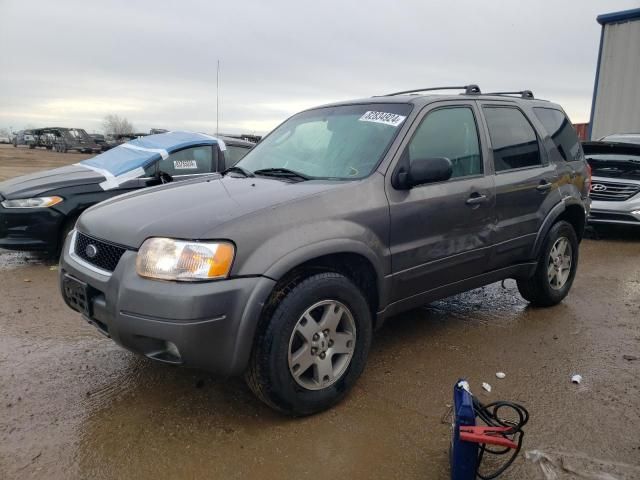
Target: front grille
(106,256)
(611,191)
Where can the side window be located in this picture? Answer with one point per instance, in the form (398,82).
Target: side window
(186,162)
(233,154)
(513,139)
(449,132)
(561,131)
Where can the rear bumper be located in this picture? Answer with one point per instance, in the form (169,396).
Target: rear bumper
(30,229)
(206,325)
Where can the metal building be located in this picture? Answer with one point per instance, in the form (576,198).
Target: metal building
(615,107)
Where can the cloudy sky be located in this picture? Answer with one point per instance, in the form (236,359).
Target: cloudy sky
(69,63)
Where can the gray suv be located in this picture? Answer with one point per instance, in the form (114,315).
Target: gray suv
(281,267)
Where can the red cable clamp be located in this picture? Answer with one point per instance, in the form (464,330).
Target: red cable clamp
(488,435)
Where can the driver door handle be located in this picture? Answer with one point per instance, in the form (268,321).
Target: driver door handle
(476,199)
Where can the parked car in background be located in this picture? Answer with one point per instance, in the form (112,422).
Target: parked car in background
(24,137)
(615,189)
(341,217)
(5,139)
(100,140)
(622,138)
(38,210)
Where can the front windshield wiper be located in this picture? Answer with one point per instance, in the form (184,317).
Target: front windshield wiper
(240,170)
(281,172)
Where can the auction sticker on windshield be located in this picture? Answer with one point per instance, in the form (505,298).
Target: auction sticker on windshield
(382,117)
(185,164)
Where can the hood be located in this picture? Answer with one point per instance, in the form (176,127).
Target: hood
(192,209)
(36,184)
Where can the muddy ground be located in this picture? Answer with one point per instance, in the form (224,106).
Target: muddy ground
(23,160)
(75,405)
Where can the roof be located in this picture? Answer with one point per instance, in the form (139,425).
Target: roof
(622,16)
(172,141)
(423,99)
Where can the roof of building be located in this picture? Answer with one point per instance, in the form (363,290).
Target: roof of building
(622,16)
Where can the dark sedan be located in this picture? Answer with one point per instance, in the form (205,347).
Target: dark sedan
(38,210)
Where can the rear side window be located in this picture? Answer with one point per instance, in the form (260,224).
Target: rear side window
(233,154)
(513,139)
(561,131)
(451,133)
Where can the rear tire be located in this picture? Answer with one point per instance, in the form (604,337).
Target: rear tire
(556,270)
(314,346)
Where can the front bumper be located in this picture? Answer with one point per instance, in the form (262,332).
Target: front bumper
(206,325)
(30,229)
(615,213)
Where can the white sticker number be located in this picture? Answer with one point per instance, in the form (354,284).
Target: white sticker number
(382,117)
(185,164)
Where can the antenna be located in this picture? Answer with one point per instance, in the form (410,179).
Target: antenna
(218,98)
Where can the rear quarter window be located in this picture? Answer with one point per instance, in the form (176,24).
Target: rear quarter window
(561,131)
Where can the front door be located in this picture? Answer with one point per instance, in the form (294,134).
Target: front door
(186,163)
(441,232)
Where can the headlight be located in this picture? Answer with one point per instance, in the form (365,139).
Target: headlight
(40,202)
(167,259)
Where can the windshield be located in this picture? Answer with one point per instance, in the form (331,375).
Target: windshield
(344,142)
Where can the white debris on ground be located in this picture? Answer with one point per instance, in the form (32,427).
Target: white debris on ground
(500,374)
(576,379)
(486,386)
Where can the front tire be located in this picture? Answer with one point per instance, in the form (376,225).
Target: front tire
(314,346)
(556,268)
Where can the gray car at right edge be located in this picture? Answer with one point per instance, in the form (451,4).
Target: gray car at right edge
(615,189)
(281,267)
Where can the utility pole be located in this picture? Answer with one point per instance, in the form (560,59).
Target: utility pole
(218,98)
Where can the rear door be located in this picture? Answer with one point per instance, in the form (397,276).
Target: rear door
(526,181)
(441,232)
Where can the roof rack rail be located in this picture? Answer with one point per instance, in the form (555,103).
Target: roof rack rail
(468,90)
(523,94)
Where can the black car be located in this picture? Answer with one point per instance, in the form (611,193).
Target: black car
(38,210)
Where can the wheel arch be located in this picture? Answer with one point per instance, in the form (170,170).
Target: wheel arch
(571,211)
(350,258)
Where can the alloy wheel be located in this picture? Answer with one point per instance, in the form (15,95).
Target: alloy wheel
(559,267)
(322,345)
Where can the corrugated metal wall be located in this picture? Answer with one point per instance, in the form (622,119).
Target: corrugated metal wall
(617,104)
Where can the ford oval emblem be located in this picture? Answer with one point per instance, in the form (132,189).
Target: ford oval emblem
(91,251)
(598,187)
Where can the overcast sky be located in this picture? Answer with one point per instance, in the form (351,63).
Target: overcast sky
(69,63)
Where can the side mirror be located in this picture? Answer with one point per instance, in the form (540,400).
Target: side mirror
(425,170)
